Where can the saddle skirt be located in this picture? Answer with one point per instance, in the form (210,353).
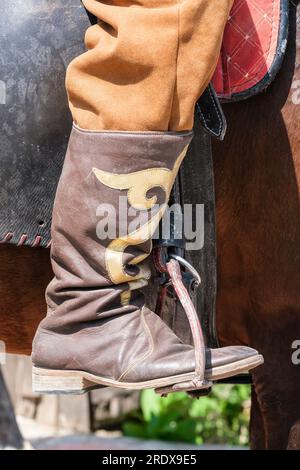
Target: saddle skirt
(35,49)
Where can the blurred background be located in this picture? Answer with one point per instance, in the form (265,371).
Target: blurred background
(115,419)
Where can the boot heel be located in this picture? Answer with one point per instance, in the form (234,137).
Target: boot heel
(51,381)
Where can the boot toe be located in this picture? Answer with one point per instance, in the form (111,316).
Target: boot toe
(228,355)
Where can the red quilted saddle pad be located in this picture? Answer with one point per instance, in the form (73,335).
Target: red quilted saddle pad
(253,47)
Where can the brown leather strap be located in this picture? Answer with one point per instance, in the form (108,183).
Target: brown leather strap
(174,272)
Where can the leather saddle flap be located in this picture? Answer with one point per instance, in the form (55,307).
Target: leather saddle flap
(35,48)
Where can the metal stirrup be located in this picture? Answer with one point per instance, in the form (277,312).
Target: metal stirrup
(198,382)
(194,273)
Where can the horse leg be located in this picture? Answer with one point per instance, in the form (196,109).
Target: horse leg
(294,437)
(276,401)
(257,429)
(277,386)
(279,413)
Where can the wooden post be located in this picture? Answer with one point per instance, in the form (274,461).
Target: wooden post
(10,436)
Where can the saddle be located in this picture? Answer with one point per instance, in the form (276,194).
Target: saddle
(253,48)
(35,131)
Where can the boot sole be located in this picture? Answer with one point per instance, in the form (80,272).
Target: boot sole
(77,382)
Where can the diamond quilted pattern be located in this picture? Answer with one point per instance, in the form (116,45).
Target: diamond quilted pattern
(249,46)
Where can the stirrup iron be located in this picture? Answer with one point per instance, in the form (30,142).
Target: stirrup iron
(198,382)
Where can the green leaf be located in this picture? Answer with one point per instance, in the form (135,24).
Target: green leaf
(220,418)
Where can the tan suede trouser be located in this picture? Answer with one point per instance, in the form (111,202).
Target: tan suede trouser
(147,63)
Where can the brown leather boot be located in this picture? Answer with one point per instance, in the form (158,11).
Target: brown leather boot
(97,330)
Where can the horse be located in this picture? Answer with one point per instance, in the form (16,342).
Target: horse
(257,180)
(257,177)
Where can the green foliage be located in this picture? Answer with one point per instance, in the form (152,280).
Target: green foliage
(220,418)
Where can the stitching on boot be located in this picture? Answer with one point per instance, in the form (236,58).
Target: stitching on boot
(144,356)
(132,133)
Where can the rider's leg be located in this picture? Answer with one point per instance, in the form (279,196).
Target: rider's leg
(132,97)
